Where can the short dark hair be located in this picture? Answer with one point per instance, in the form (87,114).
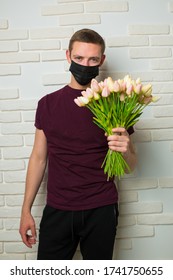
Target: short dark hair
(87,36)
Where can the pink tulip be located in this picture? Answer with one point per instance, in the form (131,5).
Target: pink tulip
(129,89)
(81,101)
(110,84)
(147,90)
(137,88)
(147,99)
(101,85)
(116,86)
(122,85)
(77,101)
(138,81)
(96,96)
(122,96)
(105,92)
(95,85)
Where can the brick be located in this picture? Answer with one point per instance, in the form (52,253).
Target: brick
(9,46)
(31,256)
(2,203)
(15,105)
(165,99)
(128,196)
(11,141)
(40,45)
(10,257)
(1,248)
(19,57)
(11,235)
(138,184)
(11,224)
(126,221)
(29,140)
(162,135)
(166,182)
(3,23)
(154,123)
(106,6)
(70,1)
(9,93)
(163,219)
(154,76)
(141,136)
(15,177)
(52,10)
(77,19)
(161,111)
(1,224)
(6,70)
(10,189)
(7,212)
(13,34)
(125,244)
(135,231)
(28,116)
(171,147)
(56,79)
(64,44)
(37,211)
(17,200)
(17,153)
(163,88)
(6,165)
(53,56)
(50,33)
(125,41)
(150,52)
(141,208)
(148,29)
(161,41)
(162,64)
(170,6)
(14,223)
(10,117)
(17,128)
(18,247)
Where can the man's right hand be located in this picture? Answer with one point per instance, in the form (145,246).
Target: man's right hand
(27,230)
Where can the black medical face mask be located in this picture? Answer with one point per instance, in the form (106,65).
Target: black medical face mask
(83,74)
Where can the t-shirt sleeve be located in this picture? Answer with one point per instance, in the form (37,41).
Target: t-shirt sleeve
(38,123)
(130,130)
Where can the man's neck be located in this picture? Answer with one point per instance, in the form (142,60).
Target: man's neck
(75,85)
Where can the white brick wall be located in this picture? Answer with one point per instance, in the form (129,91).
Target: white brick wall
(33,62)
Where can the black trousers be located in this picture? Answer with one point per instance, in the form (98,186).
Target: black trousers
(62,231)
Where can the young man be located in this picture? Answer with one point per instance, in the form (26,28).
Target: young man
(81,204)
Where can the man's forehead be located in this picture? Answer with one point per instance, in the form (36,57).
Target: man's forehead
(82,48)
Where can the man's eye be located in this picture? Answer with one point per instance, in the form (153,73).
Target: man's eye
(95,60)
(78,58)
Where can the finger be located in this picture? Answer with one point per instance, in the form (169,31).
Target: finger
(118,130)
(118,138)
(31,240)
(25,240)
(33,232)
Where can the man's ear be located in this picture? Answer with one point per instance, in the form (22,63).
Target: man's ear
(68,56)
(102,59)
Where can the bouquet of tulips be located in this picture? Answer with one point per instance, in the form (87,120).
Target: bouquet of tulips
(116,103)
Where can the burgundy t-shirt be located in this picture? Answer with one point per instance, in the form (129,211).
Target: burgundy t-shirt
(76,150)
